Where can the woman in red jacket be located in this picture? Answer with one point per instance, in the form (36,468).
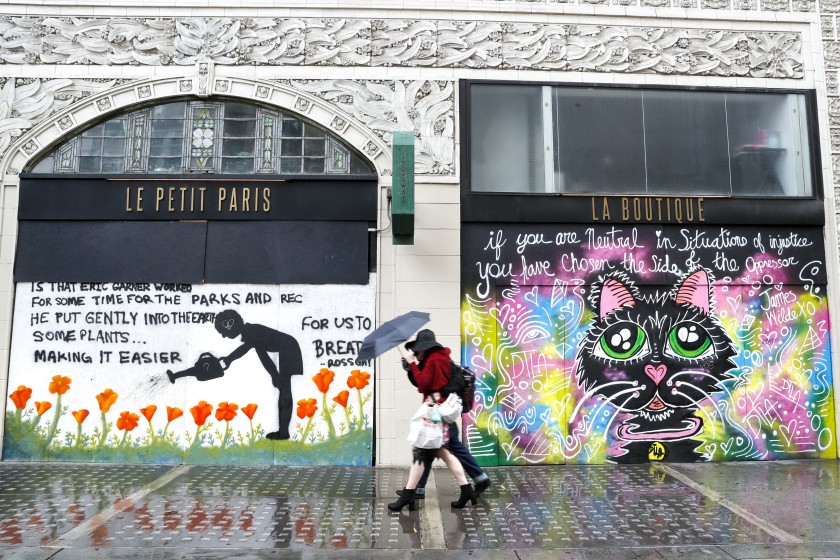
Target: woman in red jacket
(430,374)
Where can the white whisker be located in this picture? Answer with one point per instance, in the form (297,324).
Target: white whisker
(594,390)
(607,401)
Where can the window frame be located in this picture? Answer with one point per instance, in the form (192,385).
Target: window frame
(143,113)
(485,206)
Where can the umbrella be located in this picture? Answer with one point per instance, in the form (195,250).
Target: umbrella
(391,333)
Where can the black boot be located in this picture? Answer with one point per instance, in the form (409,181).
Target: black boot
(406,497)
(416,495)
(467,495)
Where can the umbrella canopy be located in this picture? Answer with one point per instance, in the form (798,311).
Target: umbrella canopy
(392,333)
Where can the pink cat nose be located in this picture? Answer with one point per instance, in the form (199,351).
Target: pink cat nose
(656,373)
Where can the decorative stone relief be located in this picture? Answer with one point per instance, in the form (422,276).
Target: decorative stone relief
(834,136)
(337,42)
(831,82)
(26,102)
(425,106)
(827,26)
(403,43)
(441,44)
(834,111)
(835,169)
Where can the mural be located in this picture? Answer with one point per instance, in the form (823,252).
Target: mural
(173,373)
(645,343)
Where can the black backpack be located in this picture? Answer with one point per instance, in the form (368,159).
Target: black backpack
(462,382)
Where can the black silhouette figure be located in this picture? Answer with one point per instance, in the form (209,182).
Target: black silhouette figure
(266,340)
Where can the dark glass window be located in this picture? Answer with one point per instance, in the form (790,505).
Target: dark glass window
(204,137)
(574,140)
(506,123)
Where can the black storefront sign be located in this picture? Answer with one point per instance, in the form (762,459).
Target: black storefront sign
(194,231)
(50,198)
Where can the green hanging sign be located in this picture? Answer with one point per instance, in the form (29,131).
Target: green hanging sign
(402,188)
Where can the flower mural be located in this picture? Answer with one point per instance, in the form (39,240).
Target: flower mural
(144,415)
(323,379)
(204,437)
(21,396)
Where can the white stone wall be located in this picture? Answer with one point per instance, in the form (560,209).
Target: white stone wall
(367,68)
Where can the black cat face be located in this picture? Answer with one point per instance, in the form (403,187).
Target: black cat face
(658,356)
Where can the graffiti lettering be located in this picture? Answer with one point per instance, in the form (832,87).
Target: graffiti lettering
(611,239)
(610,344)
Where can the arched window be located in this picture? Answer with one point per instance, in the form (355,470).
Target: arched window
(204,137)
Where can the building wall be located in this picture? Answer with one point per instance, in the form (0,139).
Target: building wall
(376,67)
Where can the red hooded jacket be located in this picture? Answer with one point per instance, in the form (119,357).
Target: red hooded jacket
(433,372)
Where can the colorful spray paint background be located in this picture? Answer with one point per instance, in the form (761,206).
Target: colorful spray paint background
(525,312)
(88,377)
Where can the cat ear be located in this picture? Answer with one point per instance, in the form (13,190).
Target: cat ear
(695,290)
(614,295)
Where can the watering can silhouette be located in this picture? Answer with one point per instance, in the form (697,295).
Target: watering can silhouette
(207,367)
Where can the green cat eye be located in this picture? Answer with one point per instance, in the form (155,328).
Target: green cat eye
(623,341)
(689,340)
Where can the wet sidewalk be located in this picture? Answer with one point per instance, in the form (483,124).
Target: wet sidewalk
(717,511)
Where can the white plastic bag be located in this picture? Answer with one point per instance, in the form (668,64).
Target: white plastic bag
(450,410)
(424,433)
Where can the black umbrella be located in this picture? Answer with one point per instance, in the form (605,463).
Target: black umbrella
(392,333)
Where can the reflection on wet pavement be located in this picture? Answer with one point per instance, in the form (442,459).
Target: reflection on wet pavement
(344,508)
(570,507)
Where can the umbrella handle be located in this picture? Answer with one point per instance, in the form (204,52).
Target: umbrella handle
(407,355)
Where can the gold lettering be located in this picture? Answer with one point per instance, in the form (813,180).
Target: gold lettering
(659,209)
(128,199)
(183,197)
(192,200)
(605,210)
(689,210)
(266,199)
(233,205)
(222,196)
(246,197)
(171,199)
(201,193)
(700,210)
(625,209)
(649,209)
(140,199)
(159,194)
(678,209)
(637,209)
(592,203)
(668,208)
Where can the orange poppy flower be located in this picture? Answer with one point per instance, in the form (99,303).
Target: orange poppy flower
(307,408)
(173,412)
(249,411)
(106,400)
(342,398)
(59,385)
(323,379)
(42,406)
(358,379)
(226,411)
(80,415)
(201,412)
(21,396)
(127,421)
(149,412)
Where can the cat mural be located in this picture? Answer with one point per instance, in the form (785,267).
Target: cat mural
(655,358)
